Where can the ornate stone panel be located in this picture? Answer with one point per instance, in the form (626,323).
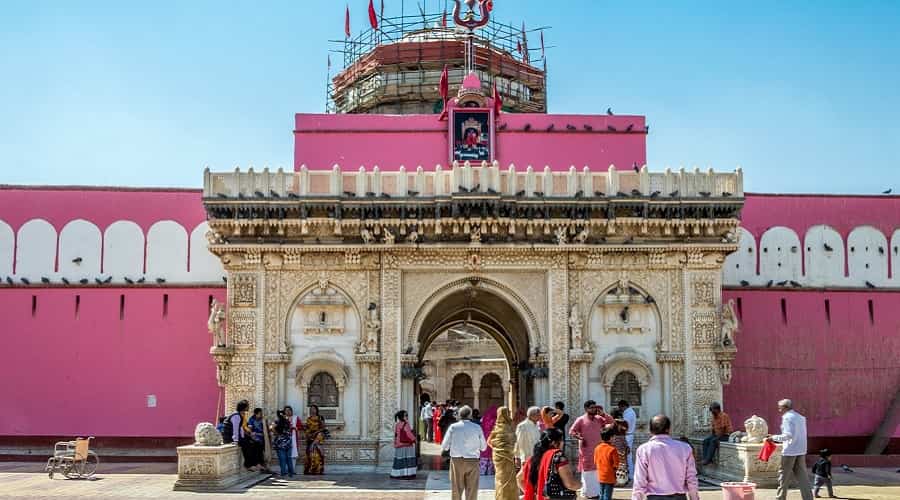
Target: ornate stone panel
(559,336)
(706,376)
(243,290)
(703,293)
(390,341)
(243,327)
(703,328)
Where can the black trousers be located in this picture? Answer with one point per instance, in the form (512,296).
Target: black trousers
(710,445)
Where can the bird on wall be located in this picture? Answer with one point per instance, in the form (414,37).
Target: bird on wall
(108,279)
(273,194)
(881,250)
(224,279)
(647,128)
(160,280)
(349,194)
(888,191)
(143,279)
(129,280)
(635,192)
(599,193)
(77,260)
(828,247)
(99,281)
(769,284)
(588,128)
(502,126)
(221,195)
(745,283)
(9,280)
(259,194)
(520,193)
(527,127)
(781,283)
(550,127)
(654,194)
(83,281)
(630,127)
(611,128)
(64,280)
(45,280)
(795,284)
(705,194)
(726,194)
(609,111)
(869,285)
(571,127)
(673,194)
(623,314)
(25,280)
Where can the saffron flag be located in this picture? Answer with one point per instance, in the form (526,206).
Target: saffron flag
(498,102)
(519,46)
(542,45)
(525,57)
(373,18)
(489,5)
(347,23)
(444,20)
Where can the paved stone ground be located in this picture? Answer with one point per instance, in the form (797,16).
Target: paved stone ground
(125,481)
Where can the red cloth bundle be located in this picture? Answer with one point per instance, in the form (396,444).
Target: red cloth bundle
(767,450)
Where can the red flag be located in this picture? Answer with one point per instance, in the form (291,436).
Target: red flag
(347,23)
(373,18)
(525,57)
(489,4)
(329,62)
(445,84)
(444,20)
(519,46)
(498,102)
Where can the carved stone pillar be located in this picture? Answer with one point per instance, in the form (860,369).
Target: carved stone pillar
(391,349)
(557,282)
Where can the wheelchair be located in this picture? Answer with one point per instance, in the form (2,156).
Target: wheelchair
(74,459)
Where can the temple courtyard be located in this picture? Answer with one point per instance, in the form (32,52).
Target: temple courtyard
(155,480)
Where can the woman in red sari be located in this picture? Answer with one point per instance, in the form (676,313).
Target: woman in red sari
(438,411)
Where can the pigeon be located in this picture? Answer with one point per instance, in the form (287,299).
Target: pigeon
(599,193)
(99,281)
(649,300)
(745,283)
(630,127)
(571,127)
(490,191)
(635,192)
(349,194)
(9,280)
(274,194)
(611,128)
(888,191)
(222,195)
(462,189)
(77,260)
(224,279)
(25,280)
(579,193)
(160,280)
(624,314)
(241,196)
(259,194)
(828,247)
(108,279)
(385,195)
(412,193)
(705,194)
(647,128)
(129,280)
(502,126)
(370,194)
(550,127)
(781,283)
(673,194)
(795,284)
(65,281)
(527,127)
(654,194)
(769,284)
(725,194)
(846,468)
(83,281)
(635,167)
(143,279)
(881,250)
(45,280)
(609,111)
(621,194)
(539,194)
(588,128)
(476,188)
(293,195)
(869,284)
(520,193)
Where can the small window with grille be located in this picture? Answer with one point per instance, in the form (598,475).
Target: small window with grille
(323,392)
(626,386)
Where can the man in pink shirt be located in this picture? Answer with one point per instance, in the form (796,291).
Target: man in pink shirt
(664,467)
(586,430)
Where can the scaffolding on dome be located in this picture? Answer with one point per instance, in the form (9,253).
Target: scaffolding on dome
(396,69)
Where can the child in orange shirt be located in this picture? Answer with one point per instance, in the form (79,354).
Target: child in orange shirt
(606,458)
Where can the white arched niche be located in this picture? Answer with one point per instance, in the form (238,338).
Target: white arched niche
(895,257)
(779,256)
(79,250)
(123,251)
(339,417)
(741,264)
(824,256)
(167,251)
(205,266)
(622,360)
(867,256)
(36,250)
(7,249)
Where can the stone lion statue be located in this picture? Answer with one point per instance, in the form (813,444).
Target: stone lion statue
(206,435)
(757,430)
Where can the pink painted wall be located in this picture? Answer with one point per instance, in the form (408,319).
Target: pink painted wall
(91,375)
(842,374)
(843,213)
(101,205)
(351,141)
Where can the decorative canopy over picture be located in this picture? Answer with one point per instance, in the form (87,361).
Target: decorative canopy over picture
(471,135)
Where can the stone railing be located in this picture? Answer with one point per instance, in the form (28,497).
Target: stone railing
(487,179)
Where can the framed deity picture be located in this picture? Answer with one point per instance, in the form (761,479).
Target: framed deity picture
(471,134)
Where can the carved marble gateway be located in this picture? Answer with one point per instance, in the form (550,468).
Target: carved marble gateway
(335,299)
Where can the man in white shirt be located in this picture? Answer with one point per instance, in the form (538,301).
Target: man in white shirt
(465,441)
(793,455)
(527,435)
(629,415)
(427,414)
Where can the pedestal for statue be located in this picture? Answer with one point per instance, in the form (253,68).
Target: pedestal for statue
(212,468)
(739,462)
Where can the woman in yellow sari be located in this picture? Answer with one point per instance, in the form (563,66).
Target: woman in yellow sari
(502,440)
(315,436)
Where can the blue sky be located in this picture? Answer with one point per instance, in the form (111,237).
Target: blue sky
(804,95)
